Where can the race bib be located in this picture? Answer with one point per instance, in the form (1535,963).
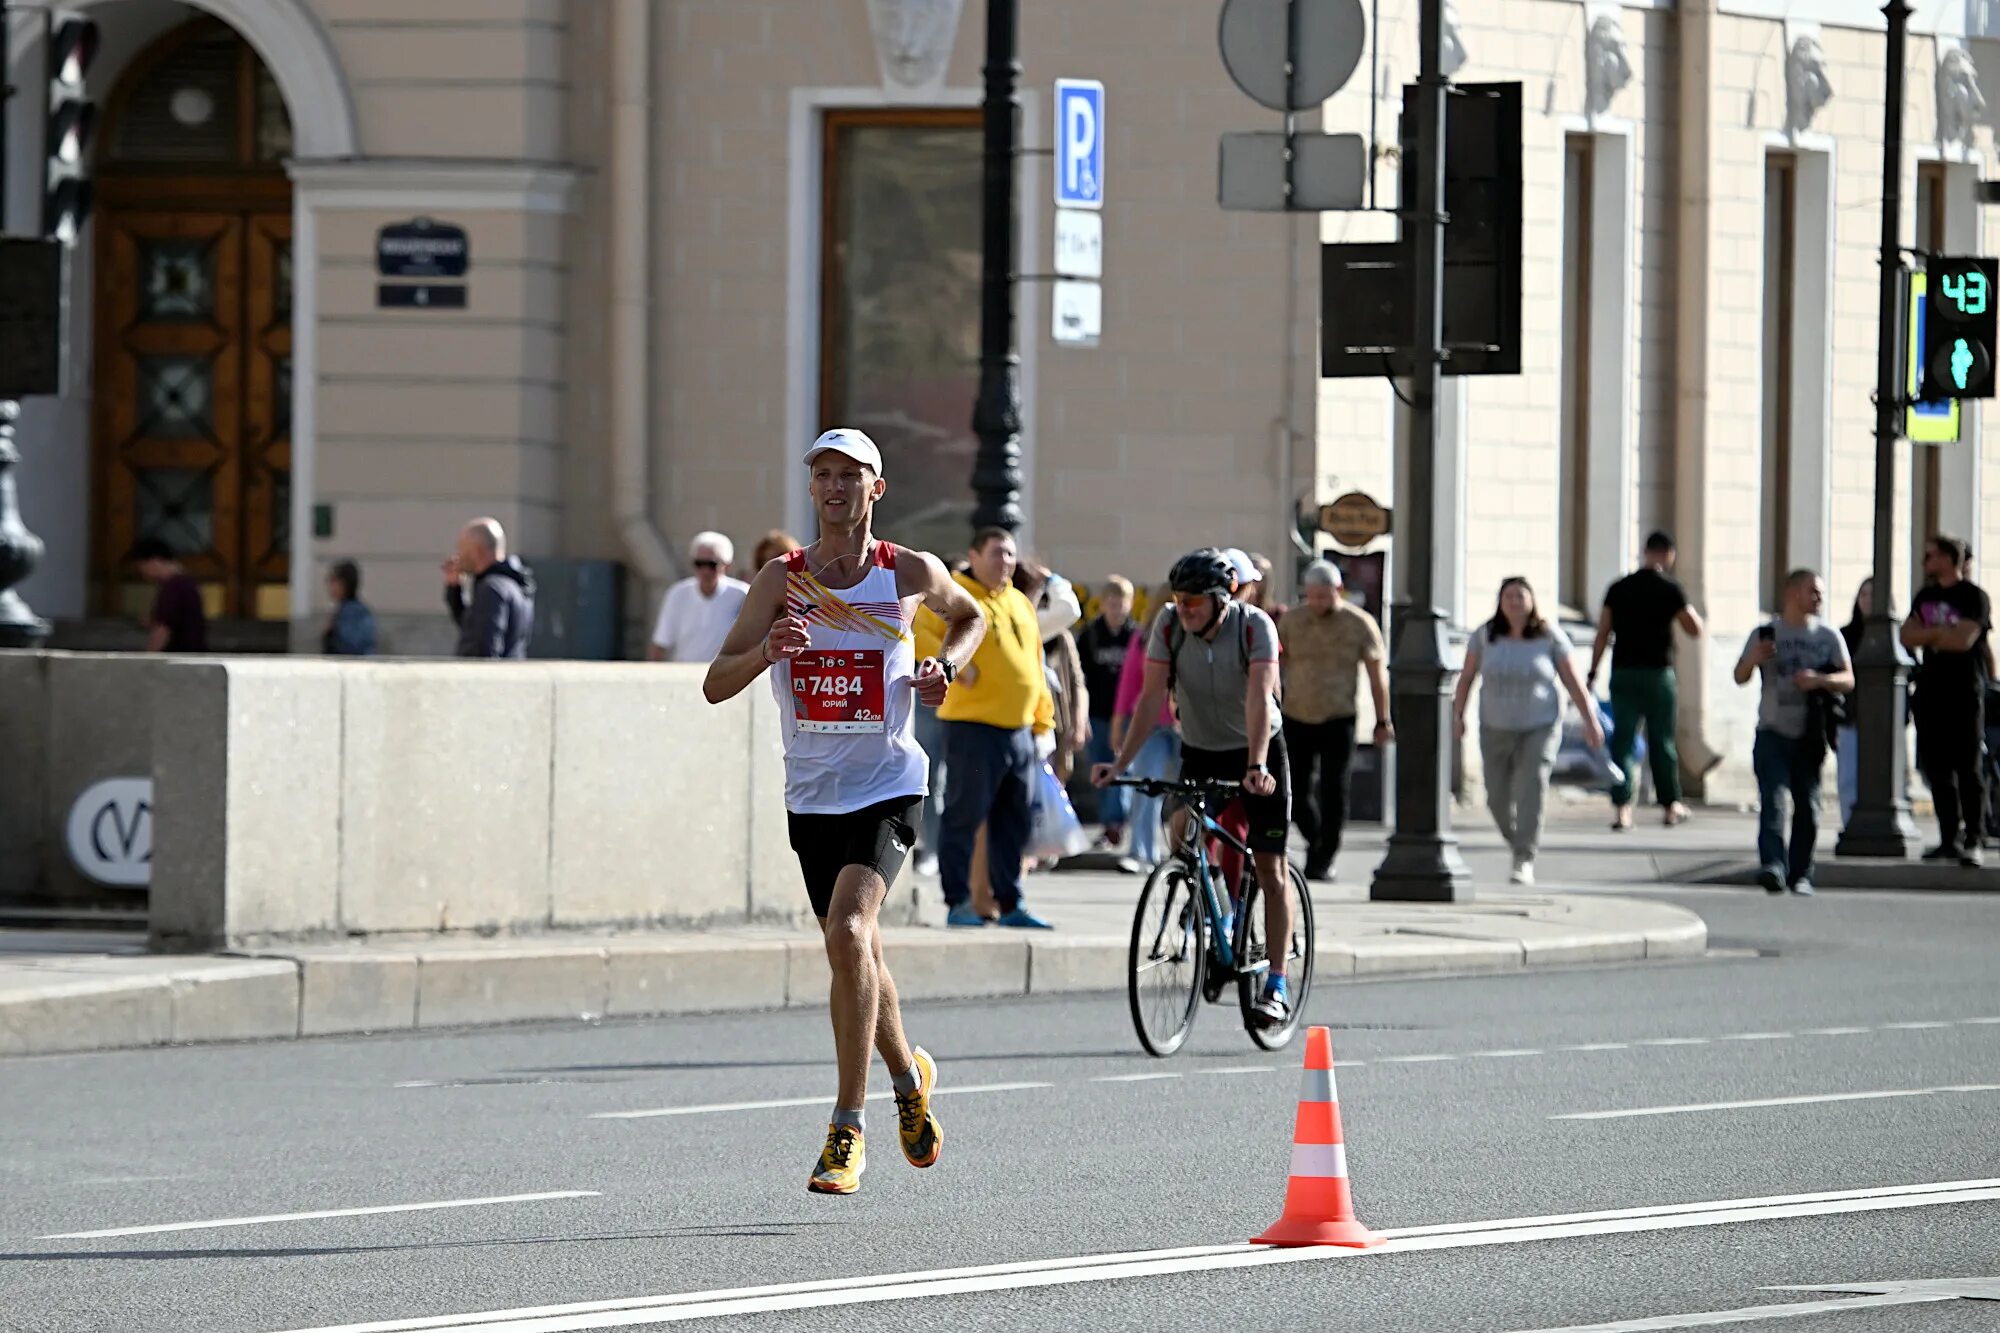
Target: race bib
(838,690)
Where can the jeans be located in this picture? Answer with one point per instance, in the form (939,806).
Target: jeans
(1787,766)
(1518,764)
(1848,776)
(1159,757)
(992,782)
(930,730)
(1112,802)
(1320,808)
(1649,695)
(1949,740)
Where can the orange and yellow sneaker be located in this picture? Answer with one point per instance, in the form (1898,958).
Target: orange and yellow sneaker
(915,1125)
(841,1162)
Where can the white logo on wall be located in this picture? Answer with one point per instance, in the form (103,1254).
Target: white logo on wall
(111,832)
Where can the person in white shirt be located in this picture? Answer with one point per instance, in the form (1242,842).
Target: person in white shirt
(697,612)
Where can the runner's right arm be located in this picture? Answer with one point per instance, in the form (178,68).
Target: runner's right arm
(763,634)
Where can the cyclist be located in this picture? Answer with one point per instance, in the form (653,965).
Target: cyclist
(1219,658)
(831,623)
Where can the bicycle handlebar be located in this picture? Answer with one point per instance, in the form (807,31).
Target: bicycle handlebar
(1177,786)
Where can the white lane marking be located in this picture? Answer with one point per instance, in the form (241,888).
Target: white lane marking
(1348,1064)
(1505,1055)
(1778,1101)
(1980,1020)
(1411,1059)
(1245,1069)
(1833,1032)
(642,1310)
(1131,1078)
(1755,1314)
(1671,1041)
(1911,1027)
(1758,1036)
(331,1212)
(778,1102)
(1598,1046)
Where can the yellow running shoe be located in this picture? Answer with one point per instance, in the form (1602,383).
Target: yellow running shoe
(841,1162)
(915,1125)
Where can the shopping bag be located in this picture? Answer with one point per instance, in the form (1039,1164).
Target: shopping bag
(1056,831)
(1581,765)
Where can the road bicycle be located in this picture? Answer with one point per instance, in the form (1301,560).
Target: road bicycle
(1181,953)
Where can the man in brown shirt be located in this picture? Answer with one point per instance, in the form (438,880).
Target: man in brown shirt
(1326,644)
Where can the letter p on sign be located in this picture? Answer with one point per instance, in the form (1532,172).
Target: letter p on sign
(1080,143)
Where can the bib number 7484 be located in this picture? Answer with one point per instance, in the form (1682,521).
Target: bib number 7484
(838,690)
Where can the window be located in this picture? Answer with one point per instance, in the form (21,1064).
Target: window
(1926,477)
(1780,221)
(1573,488)
(899,308)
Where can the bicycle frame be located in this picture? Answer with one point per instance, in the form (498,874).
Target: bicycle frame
(1193,852)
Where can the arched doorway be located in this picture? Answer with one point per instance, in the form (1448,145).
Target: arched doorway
(192,366)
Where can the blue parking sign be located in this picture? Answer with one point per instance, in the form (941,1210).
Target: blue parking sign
(1079,143)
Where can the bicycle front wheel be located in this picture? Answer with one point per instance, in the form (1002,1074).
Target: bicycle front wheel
(1168,955)
(1251,950)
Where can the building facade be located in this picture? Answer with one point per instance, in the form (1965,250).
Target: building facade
(699,231)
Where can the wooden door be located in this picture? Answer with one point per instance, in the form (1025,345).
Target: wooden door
(193,403)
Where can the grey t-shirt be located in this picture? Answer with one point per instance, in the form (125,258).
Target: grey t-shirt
(1212,675)
(1813,646)
(1519,689)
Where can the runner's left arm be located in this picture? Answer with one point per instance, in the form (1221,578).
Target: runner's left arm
(762,635)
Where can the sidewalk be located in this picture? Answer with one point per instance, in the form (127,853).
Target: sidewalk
(87,990)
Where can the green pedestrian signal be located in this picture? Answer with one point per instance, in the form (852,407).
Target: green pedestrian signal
(1959,328)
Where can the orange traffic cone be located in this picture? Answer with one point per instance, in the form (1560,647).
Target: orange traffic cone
(1319,1208)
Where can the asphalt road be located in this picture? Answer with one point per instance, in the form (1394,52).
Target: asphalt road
(1449,1089)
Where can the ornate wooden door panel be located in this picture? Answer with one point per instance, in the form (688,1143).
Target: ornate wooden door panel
(192,404)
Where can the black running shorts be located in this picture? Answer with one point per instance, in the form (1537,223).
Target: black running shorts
(1270,815)
(877,836)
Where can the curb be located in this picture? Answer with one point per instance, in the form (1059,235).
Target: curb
(337,991)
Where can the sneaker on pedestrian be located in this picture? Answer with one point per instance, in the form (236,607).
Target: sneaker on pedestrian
(1524,871)
(926,863)
(963,915)
(1944,851)
(1772,881)
(1274,1008)
(841,1162)
(915,1125)
(1319,872)
(1802,887)
(1971,859)
(1022,919)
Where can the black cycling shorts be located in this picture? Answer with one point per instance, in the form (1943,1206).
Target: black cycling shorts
(1270,816)
(877,836)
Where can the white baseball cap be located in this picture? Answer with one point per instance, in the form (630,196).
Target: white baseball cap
(1246,568)
(846,440)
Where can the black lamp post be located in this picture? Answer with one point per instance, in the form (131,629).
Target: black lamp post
(20,549)
(996,415)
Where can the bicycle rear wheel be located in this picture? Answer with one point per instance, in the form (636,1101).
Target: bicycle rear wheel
(1251,951)
(1168,955)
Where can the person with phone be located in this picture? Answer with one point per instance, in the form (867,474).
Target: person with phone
(1803,662)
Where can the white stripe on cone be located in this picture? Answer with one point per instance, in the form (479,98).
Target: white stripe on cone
(1319,1159)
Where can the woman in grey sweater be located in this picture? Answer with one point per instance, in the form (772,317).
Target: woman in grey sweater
(1523,659)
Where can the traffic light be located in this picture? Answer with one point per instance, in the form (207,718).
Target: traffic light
(1962,318)
(66,192)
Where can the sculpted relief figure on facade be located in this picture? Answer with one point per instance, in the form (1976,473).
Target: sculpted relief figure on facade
(1606,66)
(913,40)
(1959,101)
(1806,85)
(1453,56)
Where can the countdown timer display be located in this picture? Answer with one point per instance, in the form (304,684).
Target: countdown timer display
(1963,319)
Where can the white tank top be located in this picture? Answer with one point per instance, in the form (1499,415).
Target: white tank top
(848,703)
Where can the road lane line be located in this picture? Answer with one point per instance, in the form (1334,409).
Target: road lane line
(1131,1078)
(1671,1041)
(1243,1069)
(1911,1027)
(1598,1046)
(1833,1032)
(1411,1059)
(1755,1314)
(644,1310)
(331,1212)
(1980,1020)
(1757,1036)
(1777,1101)
(780,1102)
(1505,1055)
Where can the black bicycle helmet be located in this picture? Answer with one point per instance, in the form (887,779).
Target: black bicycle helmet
(1207,570)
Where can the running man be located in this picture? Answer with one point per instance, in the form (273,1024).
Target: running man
(832,625)
(1219,658)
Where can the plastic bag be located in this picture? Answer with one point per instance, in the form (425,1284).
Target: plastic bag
(1580,765)
(1056,831)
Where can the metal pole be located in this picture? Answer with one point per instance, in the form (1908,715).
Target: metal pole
(1881,823)
(996,415)
(20,549)
(1423,863)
